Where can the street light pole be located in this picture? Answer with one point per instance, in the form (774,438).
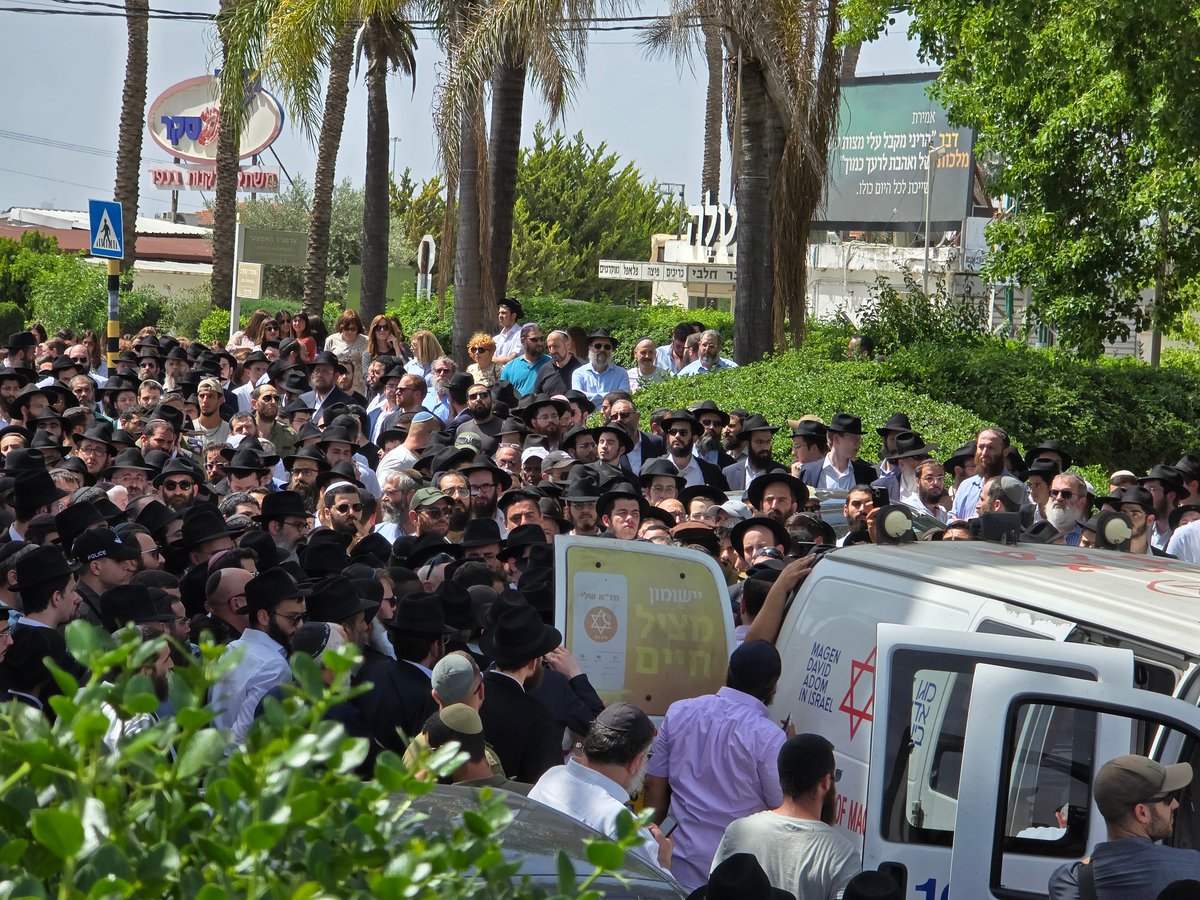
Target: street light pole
(930,155)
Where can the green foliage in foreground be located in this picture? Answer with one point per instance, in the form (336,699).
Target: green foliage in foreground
(284,817)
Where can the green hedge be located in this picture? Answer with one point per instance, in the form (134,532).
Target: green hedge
(793,384)
(627,324)
(1116,413)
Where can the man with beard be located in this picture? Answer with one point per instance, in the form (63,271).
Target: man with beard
(209,425)
(303,469)
(398,489)
(709,441)
(130,471)
(858,505)
(644,371)
(758,460)
(672,357)
(483,482)
(931,489)
(264,402)
(733,441)
(482,421)
(323,377)
(1138,504)
(157,670)
(991,446)
(285,519)
(599,377)
(437,401)
(1138,798)
(580,442)
(276,608)
(522,371)
(777,495)
(176,485)
(1165,485)
(341,509)
(594,786)
(713,760)
(642,446)
(457,490)
(544,416)
(580,497)
(1067,508)
(556,378)
(795,842)
(709,358)
(429,513)
(900,480)
(681,429)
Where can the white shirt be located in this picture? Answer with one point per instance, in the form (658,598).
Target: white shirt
(690,473)
(399,457)
(591,798)
(831,479)
(262,665)
(1185,542)
(508,343)
(913,501)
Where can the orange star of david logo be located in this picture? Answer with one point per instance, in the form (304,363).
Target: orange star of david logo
(850,704)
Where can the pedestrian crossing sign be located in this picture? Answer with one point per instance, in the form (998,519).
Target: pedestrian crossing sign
(108,239)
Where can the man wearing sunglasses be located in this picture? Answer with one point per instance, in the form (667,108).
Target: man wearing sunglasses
(429,513)
(599,376)
(1138,798)
(1068,505)
(341,509)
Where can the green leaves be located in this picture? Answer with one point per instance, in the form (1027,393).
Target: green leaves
(201,751)
(58,830)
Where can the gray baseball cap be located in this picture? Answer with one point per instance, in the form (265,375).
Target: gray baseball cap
(1128,780)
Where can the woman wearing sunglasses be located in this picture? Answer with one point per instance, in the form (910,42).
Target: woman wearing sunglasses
(386,338)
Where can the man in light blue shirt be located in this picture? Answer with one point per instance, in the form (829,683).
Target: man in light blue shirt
(671,357)
(599,377)
(991,447)
(710,358)
(522,372)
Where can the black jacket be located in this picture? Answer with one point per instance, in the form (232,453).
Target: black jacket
(520,728)
(400,697)
(574,703)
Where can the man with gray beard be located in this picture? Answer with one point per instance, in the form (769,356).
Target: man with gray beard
(599,377)
(709,358)
(437,401)
(1068,506)
(398,489)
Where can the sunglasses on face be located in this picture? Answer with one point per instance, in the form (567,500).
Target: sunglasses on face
(435,512)
(605,347)
(381,327)
(172,485)
(680,432)
(1064,494)
(346,507)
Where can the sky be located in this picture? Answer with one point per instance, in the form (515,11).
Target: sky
(69,72)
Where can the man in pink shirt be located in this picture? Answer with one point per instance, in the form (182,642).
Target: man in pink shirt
(714,760)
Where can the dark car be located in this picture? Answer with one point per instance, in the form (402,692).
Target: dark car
(535,836)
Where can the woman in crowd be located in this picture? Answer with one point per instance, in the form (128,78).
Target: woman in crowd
(426,349)
(349,344)
(252,335)
(481,348)
(302,332)
(387,339)
(283,319)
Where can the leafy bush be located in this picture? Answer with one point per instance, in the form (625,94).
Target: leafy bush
(792,385)
(167,813)
(185,311)
(21,261)
(11,318)
(72,293)
(897,318)
(215,328)
(1118,413)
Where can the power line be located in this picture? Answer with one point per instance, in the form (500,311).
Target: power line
(91,187)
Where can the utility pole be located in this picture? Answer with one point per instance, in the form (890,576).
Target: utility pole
(395,141)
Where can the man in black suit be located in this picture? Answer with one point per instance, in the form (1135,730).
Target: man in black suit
(682,429)
(757,461)
(520,727)
(839,469)
(323,378)
(646,446)
(401,694)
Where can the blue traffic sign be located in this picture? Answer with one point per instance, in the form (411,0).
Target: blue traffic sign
(108,239)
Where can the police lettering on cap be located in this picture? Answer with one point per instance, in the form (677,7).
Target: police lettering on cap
(102,543)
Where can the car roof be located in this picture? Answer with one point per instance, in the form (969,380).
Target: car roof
(1146,598)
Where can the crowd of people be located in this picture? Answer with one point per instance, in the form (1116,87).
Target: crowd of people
(294,494)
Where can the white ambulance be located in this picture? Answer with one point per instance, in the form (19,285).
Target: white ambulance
(971,691)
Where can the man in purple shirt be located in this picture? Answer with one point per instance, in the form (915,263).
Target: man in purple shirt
(714,760)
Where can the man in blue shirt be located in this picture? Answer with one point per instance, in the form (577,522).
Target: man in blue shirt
(599,377)
(710,356)
(522,372)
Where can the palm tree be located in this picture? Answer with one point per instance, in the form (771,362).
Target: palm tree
(388,45)
(789,70)
(133,121)
(228,142)
(714,105)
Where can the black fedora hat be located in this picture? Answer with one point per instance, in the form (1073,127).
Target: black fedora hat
(134,603)
(280,505)
(203,523)
(322,556)
(176,467)
(76,519)
(343,471)
(156,516)
(896,422)
(845,423)
(514,304)
(519,539)
(909,444)
(717,496)
(681,415)
(739,877)
(326,358)
(15,429)
(519,634)
(1178,512)
(34,488)
(101,434)
(336,599)
(269,588)
(621,434)
(373,549)
(757,423)
(963,454)
(582,486)
(657,467)
(130,458)
(427,546)
(9,373)
(312,453)
(530,403)
(623,491)
(24,460)
(1168,475)
(246,460)
(810,428)
(1050,446)
(43,564)
(736,536)
(481,533)
(754,493)
(20,340)
(602,334)
(573,434)
(709,406)
(420,613)
(269,554)
(481,463)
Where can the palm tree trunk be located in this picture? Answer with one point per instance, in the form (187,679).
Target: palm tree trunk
(316,265)
(376,216)
(225,203)
(133,121)
(468,246)
(850,54)
(504,148)
(710,175)
(760,138)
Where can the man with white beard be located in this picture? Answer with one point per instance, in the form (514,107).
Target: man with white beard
(594,786)
(437,401)
(398,489)
(709,357)
(599,377)
(901,479)
(1068,506)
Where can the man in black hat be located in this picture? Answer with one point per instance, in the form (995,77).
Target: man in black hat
(400,698)
(810,442)
(276,608)
(591,788)
(49,600)
(681,429)
(33,494)
(840,469)
(712,759)
(323,377)
(106,563)
(621,511)
(758,460)
(777,495)
(896,424)
(518,726)
(643,445)
(599,376)
(20,350)
(286,520)
(177,485)
(1166,487)
(1138,504)
(795,840)
(338,601)
(900,480)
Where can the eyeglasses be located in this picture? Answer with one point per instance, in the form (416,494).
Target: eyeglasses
(711,423)
(346,507)
(269,398)
(272,328)
(80,360)
(294,618)
(299,526)
(605,347)
(456,491)
(680,432)
(213,467)
(1064,494)
(5,632)
(477,489)
(304,471)
(475,349)
(1165,799)
(153,551)
(172,485)
(620,416)
(435,512)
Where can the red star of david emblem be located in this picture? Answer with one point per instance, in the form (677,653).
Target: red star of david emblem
(850,705)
